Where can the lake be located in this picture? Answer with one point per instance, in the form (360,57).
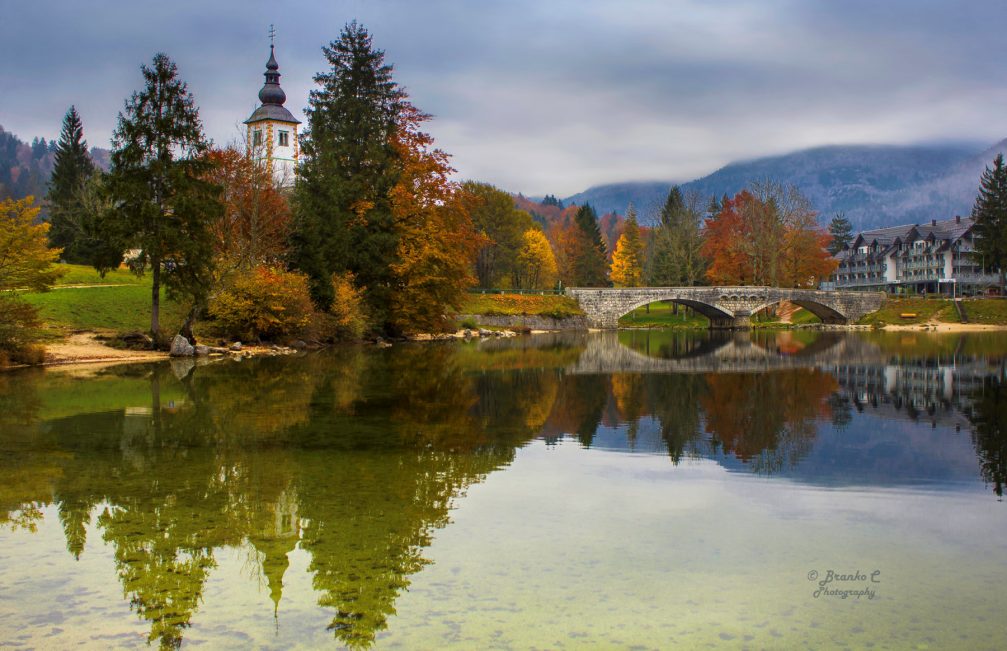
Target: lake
(638,489)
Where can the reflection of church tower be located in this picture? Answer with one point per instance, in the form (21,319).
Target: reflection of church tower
(272,130)
(278,531)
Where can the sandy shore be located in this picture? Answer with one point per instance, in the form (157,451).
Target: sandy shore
(85,348)
(946,327)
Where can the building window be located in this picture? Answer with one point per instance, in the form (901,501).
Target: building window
(257,138)
(284,138)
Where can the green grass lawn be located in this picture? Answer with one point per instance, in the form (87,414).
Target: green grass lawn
(521,304)
(108,310)
(77,274)
(661,315)
(924,310)
(991,311)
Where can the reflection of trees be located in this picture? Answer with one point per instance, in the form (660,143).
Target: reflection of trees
(674,400)
(768,419)
(352,455)
(989,430)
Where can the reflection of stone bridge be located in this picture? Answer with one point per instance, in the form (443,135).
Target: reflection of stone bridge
(726,307)
(604,354)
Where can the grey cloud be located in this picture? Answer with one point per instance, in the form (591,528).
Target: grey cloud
(551,96)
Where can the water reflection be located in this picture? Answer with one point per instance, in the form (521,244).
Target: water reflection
(356,456)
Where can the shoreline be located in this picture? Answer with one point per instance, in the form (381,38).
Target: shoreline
(85,350)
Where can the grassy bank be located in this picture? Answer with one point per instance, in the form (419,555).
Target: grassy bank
(118,303)
(550,305)
(986,311)
(912,311)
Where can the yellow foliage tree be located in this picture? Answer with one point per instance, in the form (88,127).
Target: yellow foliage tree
(536,263)
(26,262)
(627,261)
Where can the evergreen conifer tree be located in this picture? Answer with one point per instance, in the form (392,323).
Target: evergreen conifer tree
(163,207)
(343,217)
(590,264)
(675,257)
(841,231)
(72,168)
(990,215)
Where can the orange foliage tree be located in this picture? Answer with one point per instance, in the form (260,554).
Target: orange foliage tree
(255,225)
(437,241)
(768,236)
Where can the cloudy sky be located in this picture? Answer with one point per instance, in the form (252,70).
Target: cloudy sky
(548,96)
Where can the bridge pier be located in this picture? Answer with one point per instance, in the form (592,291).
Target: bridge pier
(737,322)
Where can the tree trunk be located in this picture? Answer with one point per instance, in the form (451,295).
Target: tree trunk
(190,318)
(155,300)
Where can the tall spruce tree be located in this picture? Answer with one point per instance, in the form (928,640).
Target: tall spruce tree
(841,231)
(990,215)
(343,216)
(71,171)
(163,208)
(675,253)
(591,264)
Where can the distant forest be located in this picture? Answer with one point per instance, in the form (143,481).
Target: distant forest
(25,168)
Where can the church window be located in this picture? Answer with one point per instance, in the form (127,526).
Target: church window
(257,138)
(284,138)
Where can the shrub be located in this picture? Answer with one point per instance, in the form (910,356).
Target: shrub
(469,324)
(346,318)
(18,325)
(265,303)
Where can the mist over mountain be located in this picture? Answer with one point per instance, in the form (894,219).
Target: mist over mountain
(874,185)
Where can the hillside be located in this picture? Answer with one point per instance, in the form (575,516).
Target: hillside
(25,167)
(874,185)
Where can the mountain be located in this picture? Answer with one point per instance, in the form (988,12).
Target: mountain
(873,185)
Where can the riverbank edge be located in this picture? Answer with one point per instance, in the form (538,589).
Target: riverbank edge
(100,355)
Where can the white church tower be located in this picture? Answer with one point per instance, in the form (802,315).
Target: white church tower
(272,130)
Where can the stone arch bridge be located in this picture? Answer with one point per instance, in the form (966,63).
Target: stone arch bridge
(726,307)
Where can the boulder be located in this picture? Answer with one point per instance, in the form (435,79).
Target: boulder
(180,347)
(236,346)
(202,351)
(298,345)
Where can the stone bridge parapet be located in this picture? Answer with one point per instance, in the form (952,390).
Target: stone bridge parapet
(726,307)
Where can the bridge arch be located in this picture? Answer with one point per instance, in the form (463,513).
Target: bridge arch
(824,312)
(709,311)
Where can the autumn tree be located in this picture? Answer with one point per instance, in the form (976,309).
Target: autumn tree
(437,242)
(841,231)
(589,261)
(495,216)
(627,261)
(536,263)
(724,244)
(255,223)
(343,217)
(767,236)
(26,263)
(71,171)
(990,215)
(164,206)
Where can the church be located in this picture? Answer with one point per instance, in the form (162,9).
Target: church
(272,130)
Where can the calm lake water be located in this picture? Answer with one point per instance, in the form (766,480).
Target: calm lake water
(615,490)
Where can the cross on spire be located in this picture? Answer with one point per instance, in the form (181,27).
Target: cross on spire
(272,34)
